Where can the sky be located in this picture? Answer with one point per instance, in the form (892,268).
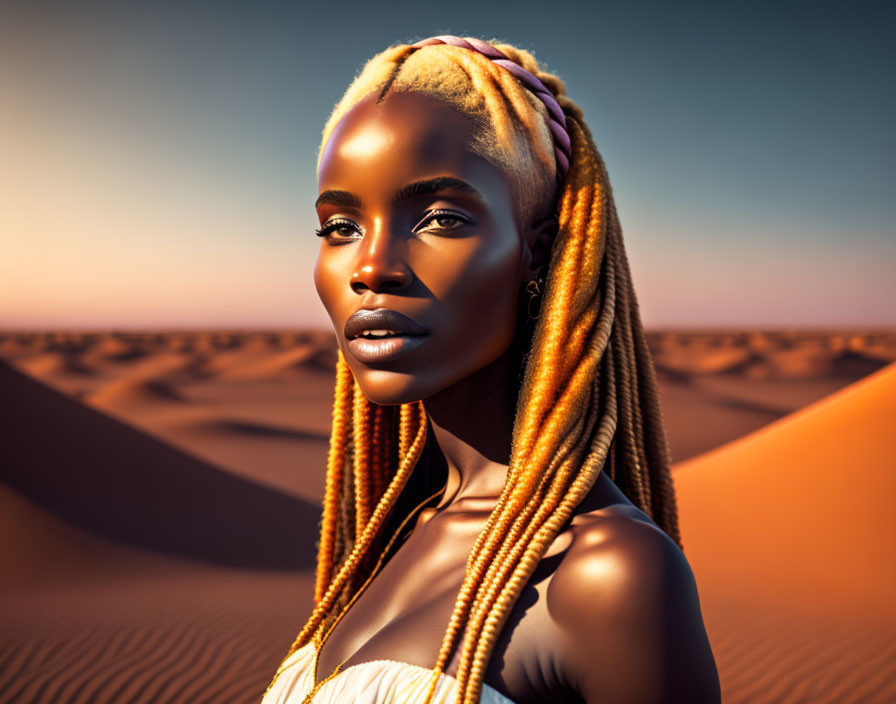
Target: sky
(157,159)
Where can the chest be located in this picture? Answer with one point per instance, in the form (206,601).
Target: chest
(403,613)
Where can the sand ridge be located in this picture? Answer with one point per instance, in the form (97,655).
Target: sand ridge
(789,531)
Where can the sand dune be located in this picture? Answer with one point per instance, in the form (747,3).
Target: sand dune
(55,363)
(789,531)
(37,548)
(133,391)
(86,619)
(711,359)
(769,655)
(118,482)
(191,636)
(269,365)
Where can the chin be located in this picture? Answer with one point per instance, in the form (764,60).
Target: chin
(412,379)
(388,388)
(392,388)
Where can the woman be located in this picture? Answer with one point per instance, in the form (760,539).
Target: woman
(499,522)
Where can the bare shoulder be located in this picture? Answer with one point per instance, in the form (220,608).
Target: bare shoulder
(625,608)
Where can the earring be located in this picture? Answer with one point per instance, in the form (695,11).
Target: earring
(533,286)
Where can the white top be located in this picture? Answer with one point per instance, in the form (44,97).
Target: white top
(375,682)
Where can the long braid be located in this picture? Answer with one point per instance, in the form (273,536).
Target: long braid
(336,460)
(629,427)
(406,428)
(379,477)
(362,459)
(589,399)
(665,512)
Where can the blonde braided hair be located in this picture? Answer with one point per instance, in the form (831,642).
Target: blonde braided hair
(589,397)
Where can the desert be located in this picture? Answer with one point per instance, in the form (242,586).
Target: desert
(160,499)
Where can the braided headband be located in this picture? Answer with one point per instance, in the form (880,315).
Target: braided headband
(556,118)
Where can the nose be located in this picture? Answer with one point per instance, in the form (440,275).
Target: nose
(381,266)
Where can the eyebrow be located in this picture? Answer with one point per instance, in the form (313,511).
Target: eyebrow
(426,187)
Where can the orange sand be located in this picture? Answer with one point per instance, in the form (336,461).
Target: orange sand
(789,532)
(159,493)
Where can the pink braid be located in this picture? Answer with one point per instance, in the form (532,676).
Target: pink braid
(556,118)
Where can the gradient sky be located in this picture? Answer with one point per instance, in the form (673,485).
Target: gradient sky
(157,159)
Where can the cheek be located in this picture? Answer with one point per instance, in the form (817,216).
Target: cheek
(334,294)
(479,297)
(326,280)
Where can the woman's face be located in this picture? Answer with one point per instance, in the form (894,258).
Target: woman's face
(421,264)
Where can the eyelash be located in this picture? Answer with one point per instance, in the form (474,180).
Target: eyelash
(435,214)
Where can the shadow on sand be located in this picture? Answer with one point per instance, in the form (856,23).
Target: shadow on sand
(125,485)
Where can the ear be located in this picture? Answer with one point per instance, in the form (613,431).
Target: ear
(540,239)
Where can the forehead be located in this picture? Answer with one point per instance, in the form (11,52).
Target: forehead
(405,132)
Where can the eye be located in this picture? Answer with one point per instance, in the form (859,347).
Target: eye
(338,229)
(445,219)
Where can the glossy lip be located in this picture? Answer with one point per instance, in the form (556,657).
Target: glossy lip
(370,351)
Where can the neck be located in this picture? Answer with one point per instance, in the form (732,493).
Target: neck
(472,421)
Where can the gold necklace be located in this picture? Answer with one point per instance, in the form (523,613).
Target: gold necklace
(319,643)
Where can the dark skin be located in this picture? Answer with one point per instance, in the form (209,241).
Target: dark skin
(611,614)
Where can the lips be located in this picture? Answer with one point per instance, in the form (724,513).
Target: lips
(382,335)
